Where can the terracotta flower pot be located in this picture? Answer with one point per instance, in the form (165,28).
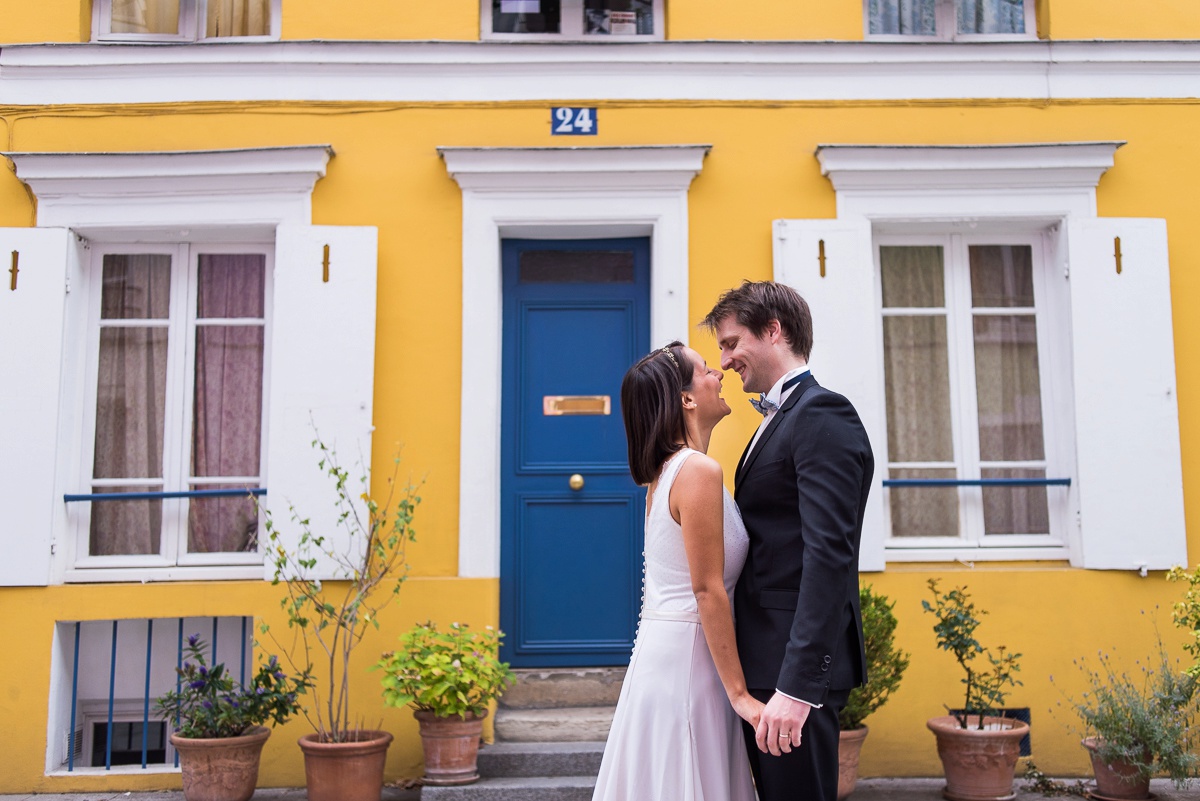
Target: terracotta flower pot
(451,746)
(1115,780)
(220,768)
(349,771)
(978,765)
(850,744)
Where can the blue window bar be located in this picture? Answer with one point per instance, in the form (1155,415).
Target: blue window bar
(977,482)
(111,720)
(158,496)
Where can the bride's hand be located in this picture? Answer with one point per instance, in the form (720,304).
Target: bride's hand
(748,708)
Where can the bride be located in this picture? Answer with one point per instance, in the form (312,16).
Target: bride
(675,734)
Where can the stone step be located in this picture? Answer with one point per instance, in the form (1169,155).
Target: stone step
(509,759)
(559,725)
(549,688)
(553,788)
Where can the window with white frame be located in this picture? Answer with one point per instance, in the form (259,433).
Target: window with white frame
(969,389)
(1014,370)
(588,20)
(185,20)
(950,19)
(179,338)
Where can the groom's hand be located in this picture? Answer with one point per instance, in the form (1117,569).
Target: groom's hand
(781,716)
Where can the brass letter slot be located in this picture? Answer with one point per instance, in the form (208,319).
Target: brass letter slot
(555,405)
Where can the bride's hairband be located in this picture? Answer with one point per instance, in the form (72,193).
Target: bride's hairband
(671,355)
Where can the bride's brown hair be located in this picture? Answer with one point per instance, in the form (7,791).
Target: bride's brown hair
(653,410)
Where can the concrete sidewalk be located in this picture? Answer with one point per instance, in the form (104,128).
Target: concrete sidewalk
(867,790)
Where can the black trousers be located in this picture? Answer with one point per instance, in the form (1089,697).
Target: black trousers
(808,773)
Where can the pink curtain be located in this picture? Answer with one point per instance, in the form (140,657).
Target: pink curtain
(227,400)
(131,400)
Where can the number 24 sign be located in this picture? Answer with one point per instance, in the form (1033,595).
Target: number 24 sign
(566,121)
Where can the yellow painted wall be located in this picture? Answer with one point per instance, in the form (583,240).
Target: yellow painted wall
(370,20)
(387,173)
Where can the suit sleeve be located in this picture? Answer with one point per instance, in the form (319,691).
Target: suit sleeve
(830,473)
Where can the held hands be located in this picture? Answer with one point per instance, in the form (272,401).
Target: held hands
(748,708)
(778,730)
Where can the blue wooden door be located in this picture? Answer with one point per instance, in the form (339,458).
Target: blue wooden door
(576,316)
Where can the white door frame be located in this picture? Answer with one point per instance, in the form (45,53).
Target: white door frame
(551,193)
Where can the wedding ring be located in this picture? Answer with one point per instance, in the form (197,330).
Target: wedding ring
(785,736)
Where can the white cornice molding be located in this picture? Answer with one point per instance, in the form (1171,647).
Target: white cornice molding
(669,168)
(909,168)
(170,188)
(500,71)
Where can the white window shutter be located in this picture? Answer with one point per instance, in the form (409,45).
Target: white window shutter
(1129,480)
(321,376)
(847,350)
(31,360)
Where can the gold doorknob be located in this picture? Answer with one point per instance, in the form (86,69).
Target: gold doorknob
(575,482)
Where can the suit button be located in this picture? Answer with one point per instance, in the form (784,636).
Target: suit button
(828,659)
(824,667)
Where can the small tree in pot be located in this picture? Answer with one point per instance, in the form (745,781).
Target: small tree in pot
(449,678)
(219,724)
(886,664)
(978,748)
(343,761)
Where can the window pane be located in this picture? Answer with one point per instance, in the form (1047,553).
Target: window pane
(575,266)
(621,17)
(126,527)
(1001,276)
(1015,510)
(916,366)
(923,511)
(912,277)
(991,16)
(1009,388)
(238,18)
(227,401)
(911,17)
(130,403)
(231,285)
(525,16)
(145,16)
(135,287)
(222,524)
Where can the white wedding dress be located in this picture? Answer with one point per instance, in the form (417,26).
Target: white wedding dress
(674,736)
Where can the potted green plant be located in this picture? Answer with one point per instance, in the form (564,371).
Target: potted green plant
(219,724)
(1138,726)
(978,746)
(886,664)
(343,760)
(449,677)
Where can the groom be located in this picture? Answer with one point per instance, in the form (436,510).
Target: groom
(801,487)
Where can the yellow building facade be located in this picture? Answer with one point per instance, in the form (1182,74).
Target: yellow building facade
(418,142)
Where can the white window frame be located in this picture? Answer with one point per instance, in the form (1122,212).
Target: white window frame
(220,196)
(571,21)
(193,15)
(883,190)
(946,23)
(1053,337)
(178,404)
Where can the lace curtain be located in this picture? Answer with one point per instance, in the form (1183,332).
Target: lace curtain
(226,426)
(920,413)
(919,17)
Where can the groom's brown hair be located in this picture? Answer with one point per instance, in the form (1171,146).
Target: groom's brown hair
(755,304)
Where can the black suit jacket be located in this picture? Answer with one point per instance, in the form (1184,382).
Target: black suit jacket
(802,492)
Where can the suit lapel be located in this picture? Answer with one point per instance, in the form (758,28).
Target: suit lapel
(747,462)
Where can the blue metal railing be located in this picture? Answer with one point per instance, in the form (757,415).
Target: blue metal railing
(157,496)
(977,482)
(120,648)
